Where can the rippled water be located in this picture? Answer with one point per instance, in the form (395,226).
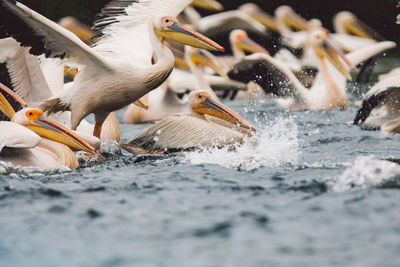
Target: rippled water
(309,190)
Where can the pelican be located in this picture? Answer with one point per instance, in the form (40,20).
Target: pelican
(173,96)
(31,140)
(259,15)
(380,105)
(219,26)
(351,33)
(118,70)
(36,81)
(329,88)
(184,132)
(288,20)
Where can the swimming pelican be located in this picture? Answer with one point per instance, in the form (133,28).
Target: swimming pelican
(351,33)
(173,96)
(31,140)
(35,82)
(183,132)
(329,88)
(380,105)
(118,70)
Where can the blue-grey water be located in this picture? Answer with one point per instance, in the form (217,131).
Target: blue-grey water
(310,190)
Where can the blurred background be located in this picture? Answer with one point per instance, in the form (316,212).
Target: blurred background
(378,14)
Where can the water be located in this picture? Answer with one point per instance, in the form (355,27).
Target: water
(309,190)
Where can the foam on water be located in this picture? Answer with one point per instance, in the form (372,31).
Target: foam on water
(274,145)
(365,172)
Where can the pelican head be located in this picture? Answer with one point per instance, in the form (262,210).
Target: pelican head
(170,28)
(255,12)
(290,19)
(241,41)
(203,58)
(347,22)
(202,103)
(32,119)
(211,5)
(324,48)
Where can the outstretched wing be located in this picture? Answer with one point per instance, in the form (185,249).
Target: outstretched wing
(44,36)
(123,27)
(274,77)
(21,72)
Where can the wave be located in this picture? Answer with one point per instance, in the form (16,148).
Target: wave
(274,145)
(365,172)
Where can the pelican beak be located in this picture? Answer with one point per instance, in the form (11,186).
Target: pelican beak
(178,32)
(181,64)
(327,49)
(358,28)
(58,133)
(211,5)
(141,104)
(267,20)
(5,106)
(205,58)
(72,72)
(213,108)
(295,21)
(248,45)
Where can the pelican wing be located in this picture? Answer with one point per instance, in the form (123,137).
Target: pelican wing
(273,76)
(123,27)
(44,36)
(13,135)
(183,132)
(22,72)
(386,92)
(369,51)
(120,14)
(230,19)
(351,42)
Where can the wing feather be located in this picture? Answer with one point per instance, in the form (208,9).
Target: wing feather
(184,132)
(24,72)
(45,36)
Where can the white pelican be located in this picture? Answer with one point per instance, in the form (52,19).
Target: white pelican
(219,26)
(195,130)
(36,82)
(288,20)
(31,140)
(351,33)
(172,97)
(118,70)
(380,105)
(259,15)
(329,88)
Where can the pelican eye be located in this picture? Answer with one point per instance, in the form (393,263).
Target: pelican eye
(30,113)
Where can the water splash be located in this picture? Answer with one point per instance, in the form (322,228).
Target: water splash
(365,172)
(274,145)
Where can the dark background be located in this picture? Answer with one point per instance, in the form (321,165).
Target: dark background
(378,14)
